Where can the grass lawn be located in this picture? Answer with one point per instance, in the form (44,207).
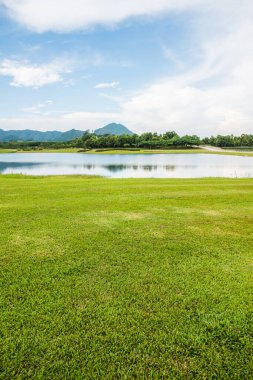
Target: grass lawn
(8,151)
(126,279)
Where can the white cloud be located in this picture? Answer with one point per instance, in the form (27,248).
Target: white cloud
(170,55)
(113,98)
(67,15)
(107,85)
(24,74)
(38,109)
(212,96)
(89,115)
(188,109)
(77,120)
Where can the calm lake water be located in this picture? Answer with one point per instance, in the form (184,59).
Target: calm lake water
(128,165)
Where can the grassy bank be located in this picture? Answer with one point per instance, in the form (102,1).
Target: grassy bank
(125,151)
(227,153)
(7,151)
(145,151)
(126,279)
(108,151)
(62,150)
(169,151)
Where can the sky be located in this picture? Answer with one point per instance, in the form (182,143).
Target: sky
(183,65)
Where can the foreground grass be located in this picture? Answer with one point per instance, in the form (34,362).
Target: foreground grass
(126,279)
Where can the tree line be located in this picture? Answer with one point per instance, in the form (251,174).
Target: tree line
(229,141)
(144,141)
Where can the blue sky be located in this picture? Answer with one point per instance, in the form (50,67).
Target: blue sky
(170,65)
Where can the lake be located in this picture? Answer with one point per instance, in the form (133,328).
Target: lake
(128,165)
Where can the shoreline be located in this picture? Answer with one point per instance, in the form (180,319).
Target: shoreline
(134,152)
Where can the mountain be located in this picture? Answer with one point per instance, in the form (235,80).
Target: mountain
(30,135)
(38,136)
(70,135)
(113,129)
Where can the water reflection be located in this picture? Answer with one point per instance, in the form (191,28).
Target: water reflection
(149,168)
(128,166)
(17,165)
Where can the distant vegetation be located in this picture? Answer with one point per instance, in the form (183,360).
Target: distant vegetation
(30,135)
(92,141)
(56,136)
(119,137)
(146,140)
(230,141)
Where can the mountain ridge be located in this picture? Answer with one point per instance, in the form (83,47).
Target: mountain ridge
(113,129)
(57,136)
(39,136)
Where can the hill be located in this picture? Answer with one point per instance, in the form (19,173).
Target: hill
(30,135)
(56,136)
(113,129)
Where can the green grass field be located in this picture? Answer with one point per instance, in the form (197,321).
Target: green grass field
(126,279)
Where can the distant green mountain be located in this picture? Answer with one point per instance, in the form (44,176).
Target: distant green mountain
(71,135)
(113,129)
(38,136)
(30,135)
